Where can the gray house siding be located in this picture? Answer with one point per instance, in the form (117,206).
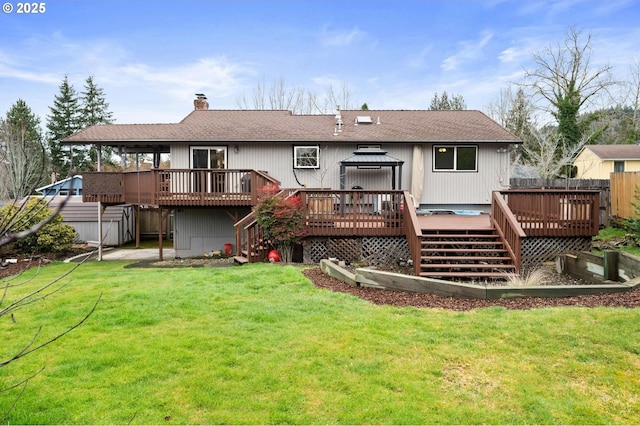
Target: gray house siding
(277,160)
(466,189)
(440,189)
(200,231)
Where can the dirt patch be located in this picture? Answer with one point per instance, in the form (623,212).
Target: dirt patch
(27,261)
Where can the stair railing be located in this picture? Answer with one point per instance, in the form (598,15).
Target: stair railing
(249,236)
(508,228)
(413,231)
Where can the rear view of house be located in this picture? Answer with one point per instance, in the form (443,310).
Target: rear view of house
(361,175)
(446,159)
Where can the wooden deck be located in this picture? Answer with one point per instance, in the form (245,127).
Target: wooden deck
(454,222)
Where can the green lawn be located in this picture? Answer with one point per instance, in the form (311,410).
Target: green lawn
(259,344)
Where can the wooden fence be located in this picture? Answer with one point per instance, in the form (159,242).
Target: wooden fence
(625,187)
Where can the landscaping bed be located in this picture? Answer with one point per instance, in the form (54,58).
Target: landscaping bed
(629,299)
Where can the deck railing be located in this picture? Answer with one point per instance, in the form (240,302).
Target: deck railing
(555,213)
(176,187)
(353,212)
(334,213)
(508,228)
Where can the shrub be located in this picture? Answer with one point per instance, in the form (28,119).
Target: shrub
(54,236)
(281,220)
(633,223)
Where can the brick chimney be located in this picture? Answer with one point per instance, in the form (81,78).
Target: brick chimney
(201,101)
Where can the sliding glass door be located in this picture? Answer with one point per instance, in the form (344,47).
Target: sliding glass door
(210,159)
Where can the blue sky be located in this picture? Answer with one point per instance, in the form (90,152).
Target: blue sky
(150,57)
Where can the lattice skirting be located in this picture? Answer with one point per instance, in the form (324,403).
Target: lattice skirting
(375,251)
(545,249)
(387,251)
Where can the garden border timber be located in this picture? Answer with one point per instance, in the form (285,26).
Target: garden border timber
(364,277)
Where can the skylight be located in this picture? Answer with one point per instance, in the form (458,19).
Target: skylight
(363,119)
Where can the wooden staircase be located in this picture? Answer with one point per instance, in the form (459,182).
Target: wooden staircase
(475,254)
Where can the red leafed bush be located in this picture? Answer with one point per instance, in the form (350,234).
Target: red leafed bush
(281,219)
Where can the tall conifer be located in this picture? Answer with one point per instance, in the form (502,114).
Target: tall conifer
(63,122)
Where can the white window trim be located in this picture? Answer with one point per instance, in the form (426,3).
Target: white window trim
(295,157)
(455,156)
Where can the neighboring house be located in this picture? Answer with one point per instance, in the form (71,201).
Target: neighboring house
(69,186)
(599,161)
(446,159)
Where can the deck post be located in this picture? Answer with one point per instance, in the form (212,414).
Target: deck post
(160,257)
(611,265)
(136,208)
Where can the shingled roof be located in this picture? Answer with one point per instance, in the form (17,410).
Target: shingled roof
(616,152)
(271,126)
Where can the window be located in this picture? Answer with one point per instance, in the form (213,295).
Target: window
(455,158)
(618,166)
(208,157)
(306,157)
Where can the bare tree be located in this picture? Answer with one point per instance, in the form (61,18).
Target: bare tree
(280,96)
(22,153)
(566,79)
(550,154)
(21,161)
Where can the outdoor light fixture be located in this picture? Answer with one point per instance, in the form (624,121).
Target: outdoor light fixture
(442,149)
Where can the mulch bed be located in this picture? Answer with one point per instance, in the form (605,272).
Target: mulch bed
(629,299)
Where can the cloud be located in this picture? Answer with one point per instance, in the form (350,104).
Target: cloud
(341,38)
(468,50)
(217,74)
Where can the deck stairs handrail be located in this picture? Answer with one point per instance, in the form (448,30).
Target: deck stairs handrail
(508,228)
(250,244)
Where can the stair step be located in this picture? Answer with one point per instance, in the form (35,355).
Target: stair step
(457,243)
(467,274)
(461,250)
(433,236)
(240,259)
(466,266)
(473,258)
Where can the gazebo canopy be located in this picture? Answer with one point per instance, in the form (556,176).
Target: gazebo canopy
(372,157)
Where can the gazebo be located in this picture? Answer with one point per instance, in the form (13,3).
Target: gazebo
(372,157)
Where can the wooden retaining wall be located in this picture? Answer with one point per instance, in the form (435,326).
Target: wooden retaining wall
(613,265)
(406,283)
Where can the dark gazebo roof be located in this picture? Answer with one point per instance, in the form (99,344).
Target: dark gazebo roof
(372,157)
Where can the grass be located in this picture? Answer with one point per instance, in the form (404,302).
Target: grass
(612,233)
(259,344)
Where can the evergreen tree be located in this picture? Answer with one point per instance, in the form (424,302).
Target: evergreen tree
(63,122)
(95,110)
(444,103)
(519,121)
(22,155)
